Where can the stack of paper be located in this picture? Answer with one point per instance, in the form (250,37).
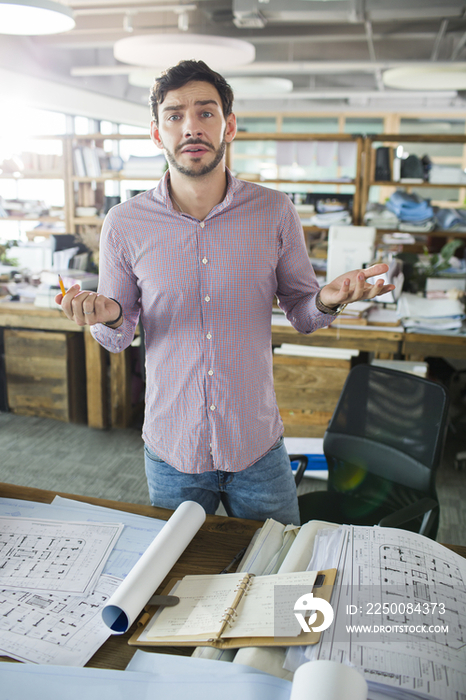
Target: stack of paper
(144,166)
(311,351)
(86,280)
(382,316)
(430,315)
(356,313)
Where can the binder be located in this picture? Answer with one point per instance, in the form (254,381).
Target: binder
(223,617)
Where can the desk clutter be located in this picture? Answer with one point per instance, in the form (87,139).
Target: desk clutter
(394,595)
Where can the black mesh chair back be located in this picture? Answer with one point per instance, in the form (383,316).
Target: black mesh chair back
(383,446)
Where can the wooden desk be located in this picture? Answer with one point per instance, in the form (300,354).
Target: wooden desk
(211,550)
(417,346)
(384,343)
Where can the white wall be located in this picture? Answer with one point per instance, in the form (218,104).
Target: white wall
(45,94)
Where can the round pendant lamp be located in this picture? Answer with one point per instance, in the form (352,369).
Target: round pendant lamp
(168,49)
(425,78)
(259,85)
(34,17)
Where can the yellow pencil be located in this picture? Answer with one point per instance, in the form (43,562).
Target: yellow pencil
(62,286)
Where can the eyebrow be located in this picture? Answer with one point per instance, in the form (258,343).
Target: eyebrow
(176,108)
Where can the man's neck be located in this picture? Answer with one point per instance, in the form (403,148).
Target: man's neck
(197,196)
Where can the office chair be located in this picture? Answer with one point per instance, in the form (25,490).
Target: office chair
(383,446)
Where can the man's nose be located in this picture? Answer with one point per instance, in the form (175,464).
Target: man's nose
(192,127)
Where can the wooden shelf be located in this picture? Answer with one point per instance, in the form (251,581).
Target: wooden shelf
(392,183)
(40,219)
(32,175)
(439,233)
(300,182)
(281,136)
(108,137)
(87,220)
(117,177)
(44,232)
(417,138)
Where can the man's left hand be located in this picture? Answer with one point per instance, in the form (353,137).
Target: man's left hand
(353,286)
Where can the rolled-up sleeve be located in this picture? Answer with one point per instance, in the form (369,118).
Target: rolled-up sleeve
(116,281)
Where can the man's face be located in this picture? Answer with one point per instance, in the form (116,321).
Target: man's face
(192,129)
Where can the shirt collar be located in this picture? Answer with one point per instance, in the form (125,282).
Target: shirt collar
(162,192)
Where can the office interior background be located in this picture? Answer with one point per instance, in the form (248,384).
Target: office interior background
(319,73)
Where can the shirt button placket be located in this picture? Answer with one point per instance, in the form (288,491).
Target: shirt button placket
(207,298)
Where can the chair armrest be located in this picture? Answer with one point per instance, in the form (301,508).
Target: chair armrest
(302,466)
(414,510)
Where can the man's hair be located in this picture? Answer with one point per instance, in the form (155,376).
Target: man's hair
(185,72)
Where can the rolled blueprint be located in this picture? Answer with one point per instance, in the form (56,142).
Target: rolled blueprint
(328,680)
(146,576)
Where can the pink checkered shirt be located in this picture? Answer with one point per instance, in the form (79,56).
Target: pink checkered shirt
(204,291)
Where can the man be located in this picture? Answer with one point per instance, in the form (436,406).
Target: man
(200,259)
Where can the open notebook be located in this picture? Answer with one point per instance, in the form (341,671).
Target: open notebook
(236,610)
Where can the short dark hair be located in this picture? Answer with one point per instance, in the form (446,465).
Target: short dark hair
(185,72)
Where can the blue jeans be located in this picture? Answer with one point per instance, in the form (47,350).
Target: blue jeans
(266,489)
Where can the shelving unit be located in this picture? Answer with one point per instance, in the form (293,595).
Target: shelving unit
(242,136)
(369,181)
(57,174)
(96,183)
(78,188)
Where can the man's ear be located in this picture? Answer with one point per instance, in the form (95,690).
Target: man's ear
(155,135)
(230,128)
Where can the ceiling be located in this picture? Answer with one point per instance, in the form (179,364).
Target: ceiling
(334,51)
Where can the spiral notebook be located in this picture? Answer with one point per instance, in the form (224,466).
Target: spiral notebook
(235,610)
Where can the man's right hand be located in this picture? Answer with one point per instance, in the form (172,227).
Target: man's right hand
(88,308)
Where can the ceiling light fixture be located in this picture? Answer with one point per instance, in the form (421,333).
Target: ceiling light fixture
(426,78)
(168,49)
(257,85)
(34,17)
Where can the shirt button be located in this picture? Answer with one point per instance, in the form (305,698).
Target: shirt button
(204,260)
(201,224)
(209,336)
(212,408)
(210,372)
(207,298)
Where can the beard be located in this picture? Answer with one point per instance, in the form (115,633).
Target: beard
(194,172)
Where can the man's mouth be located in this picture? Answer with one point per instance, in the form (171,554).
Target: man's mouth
(195,148)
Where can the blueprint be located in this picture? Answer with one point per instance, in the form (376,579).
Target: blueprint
(405,644)
(138,532)
(50,555)
(48,625)
(54,628)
